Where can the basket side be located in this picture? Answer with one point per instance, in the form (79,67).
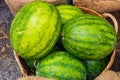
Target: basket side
(21,64)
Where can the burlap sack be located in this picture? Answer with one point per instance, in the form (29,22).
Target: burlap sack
(15,5)
(108,75)
(100,6)
(33,78)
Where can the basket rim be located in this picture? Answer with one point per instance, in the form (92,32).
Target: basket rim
(109,65)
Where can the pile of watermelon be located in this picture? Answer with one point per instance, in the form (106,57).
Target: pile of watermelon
(65,42)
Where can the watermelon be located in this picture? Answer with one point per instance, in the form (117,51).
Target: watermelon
(35,30)
(61,65)
(95,67)
(68,11)
(89,37)
(30,65)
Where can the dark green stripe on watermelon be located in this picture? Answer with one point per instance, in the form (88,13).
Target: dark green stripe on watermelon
(35,30)
(61,66)
(89,37)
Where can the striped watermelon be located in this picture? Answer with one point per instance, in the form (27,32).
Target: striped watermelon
(89,37)
(61,66)
(95,67)
(35,30)
(68,12)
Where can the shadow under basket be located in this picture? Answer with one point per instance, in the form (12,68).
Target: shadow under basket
(26,72)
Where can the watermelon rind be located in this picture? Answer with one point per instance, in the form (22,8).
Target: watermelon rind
(35,29)
(68,12)
(89,37)
(61,65)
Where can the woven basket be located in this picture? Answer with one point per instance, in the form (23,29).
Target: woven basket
(25,72)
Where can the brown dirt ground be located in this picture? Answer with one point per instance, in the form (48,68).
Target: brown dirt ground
(9,69)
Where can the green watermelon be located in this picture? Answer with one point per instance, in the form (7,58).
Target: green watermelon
(30,64)
(89,37)
(61,65)
(68,12)
(95,67)
(35,30)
